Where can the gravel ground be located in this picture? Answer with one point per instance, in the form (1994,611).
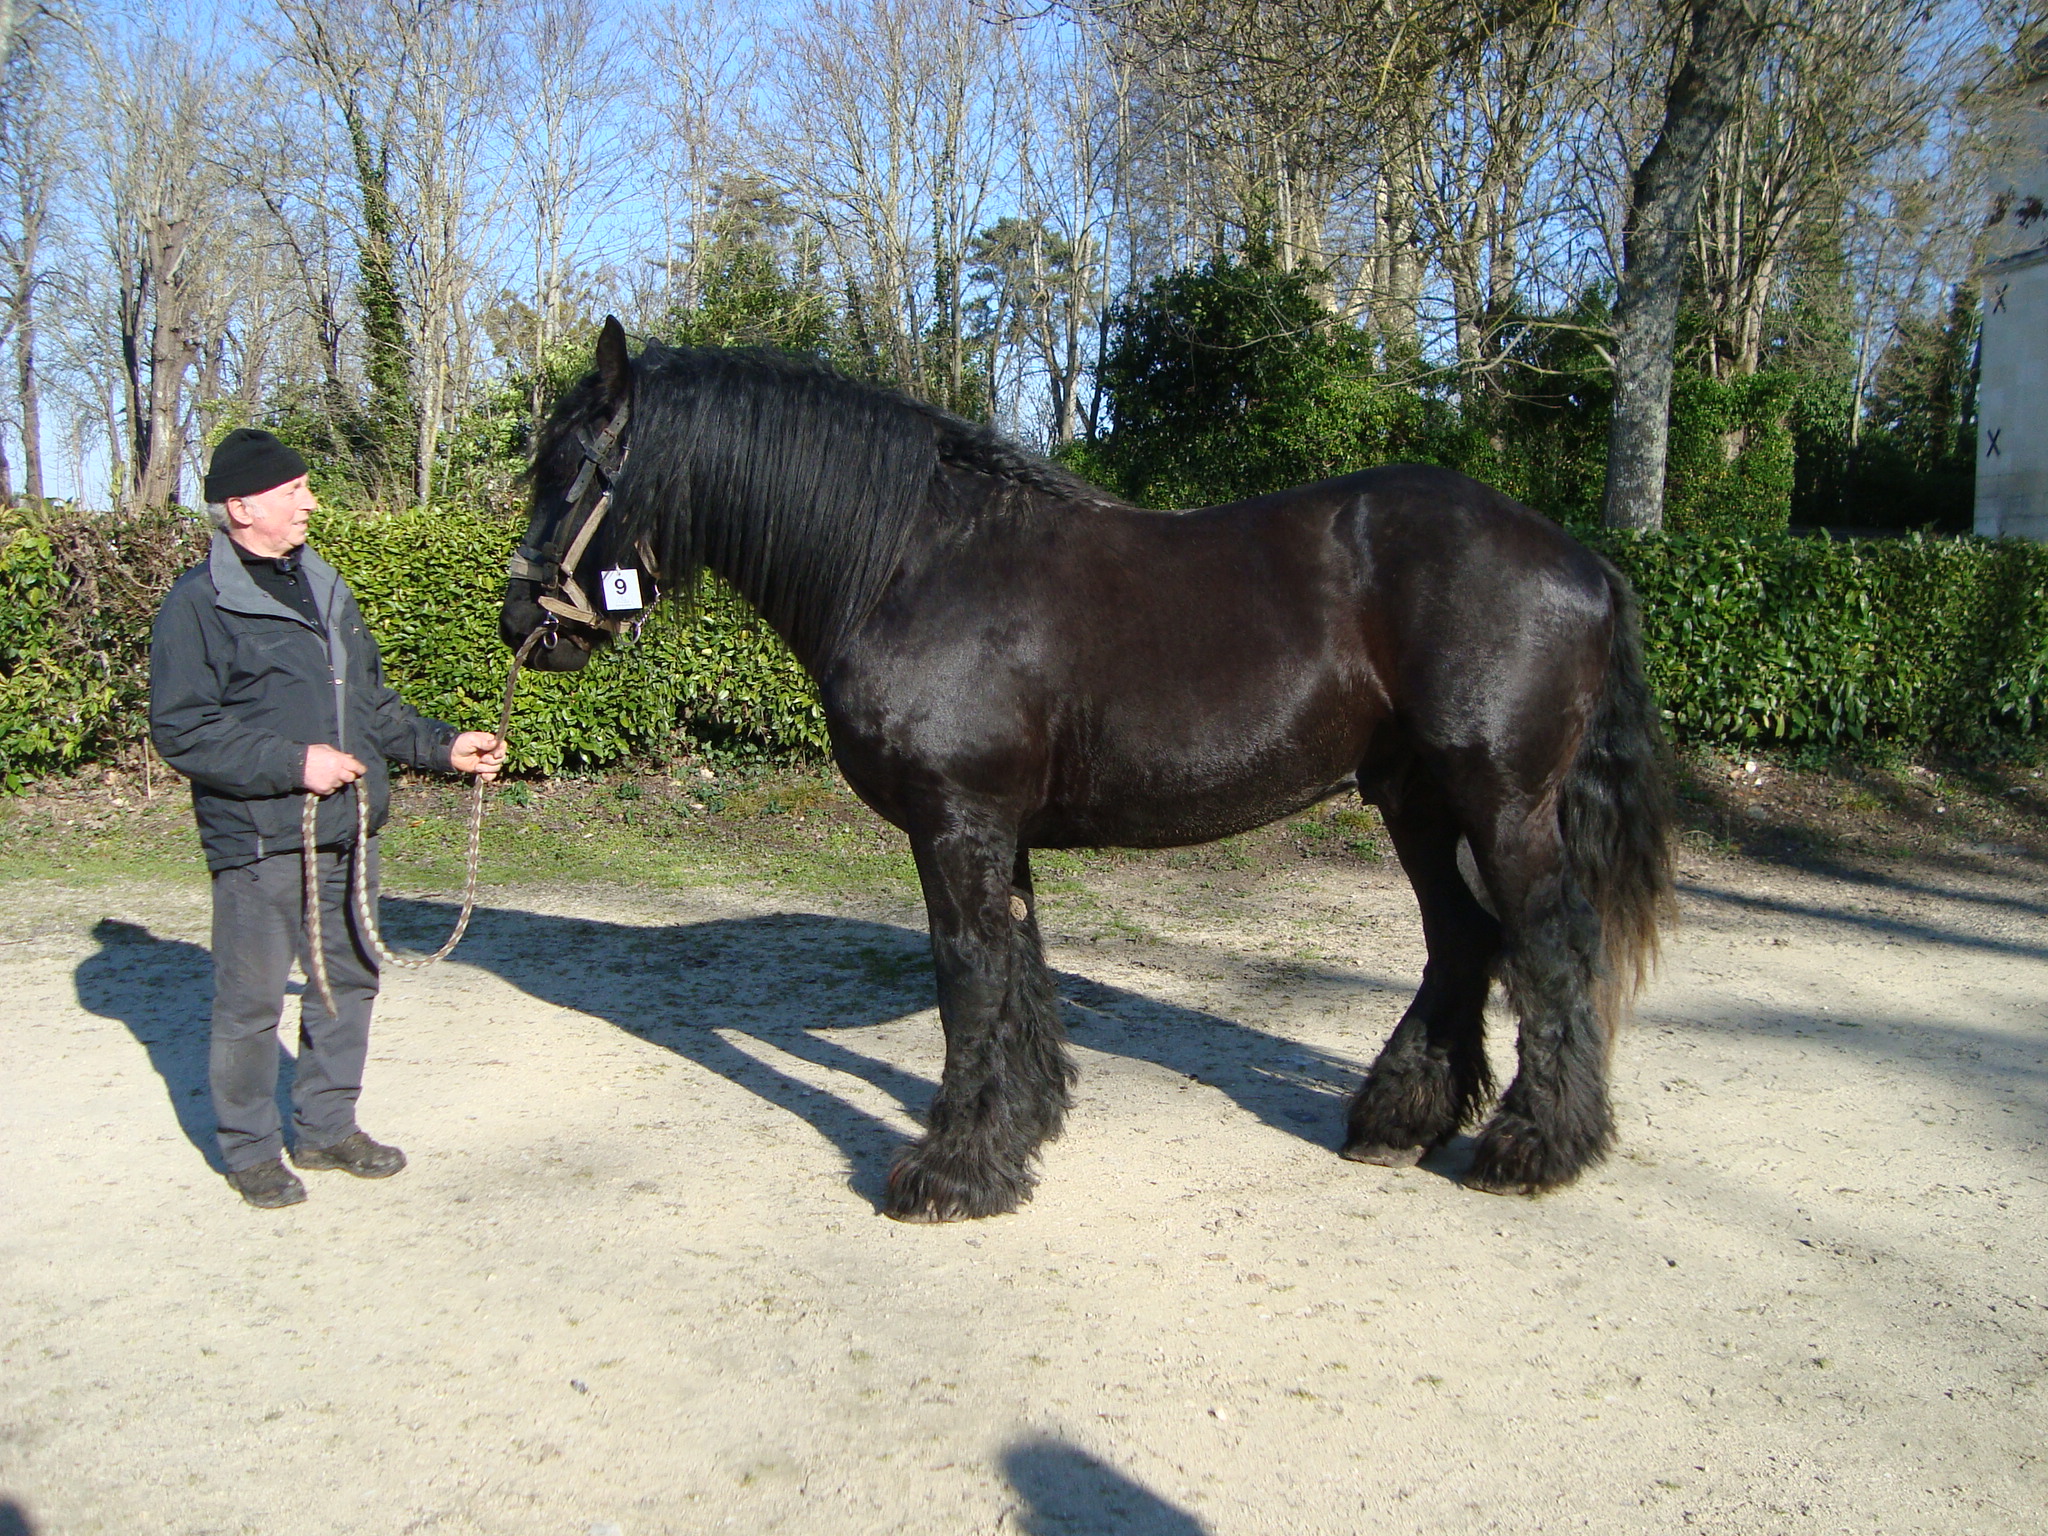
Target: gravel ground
(634,1281)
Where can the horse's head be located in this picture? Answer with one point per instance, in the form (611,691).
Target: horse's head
(570,576)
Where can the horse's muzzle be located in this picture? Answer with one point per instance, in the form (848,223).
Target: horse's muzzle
(567,649)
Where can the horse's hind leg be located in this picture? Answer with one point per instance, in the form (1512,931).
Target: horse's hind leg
(1554,1121)
(1005,1089)
(1431,1078)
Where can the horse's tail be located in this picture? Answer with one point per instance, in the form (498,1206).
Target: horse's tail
(1615,814)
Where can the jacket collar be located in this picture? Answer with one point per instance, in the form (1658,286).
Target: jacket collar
(236,590)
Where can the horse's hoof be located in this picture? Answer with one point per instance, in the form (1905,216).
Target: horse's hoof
(1513,1157)
(923,1218)
(1383,1156)
(1491,1186)
(926,1194)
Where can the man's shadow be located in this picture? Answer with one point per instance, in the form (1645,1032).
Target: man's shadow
(162,990)
(1067,1492)
(801,985)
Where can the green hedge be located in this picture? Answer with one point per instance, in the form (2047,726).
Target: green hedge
(1803,640)
(50,704)
(73,665)
(77,593)
(1771,638)
(430,585)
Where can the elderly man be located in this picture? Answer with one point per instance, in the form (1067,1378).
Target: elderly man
(265,687)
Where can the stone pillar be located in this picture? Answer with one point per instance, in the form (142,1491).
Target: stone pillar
(2012,399)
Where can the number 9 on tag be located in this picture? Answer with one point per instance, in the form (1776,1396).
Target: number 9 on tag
(621,590)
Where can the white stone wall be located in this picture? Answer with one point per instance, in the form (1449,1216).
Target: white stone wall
(2012,400)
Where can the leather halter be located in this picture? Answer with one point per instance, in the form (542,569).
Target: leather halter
(590,498)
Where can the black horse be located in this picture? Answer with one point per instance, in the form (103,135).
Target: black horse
(1010,659)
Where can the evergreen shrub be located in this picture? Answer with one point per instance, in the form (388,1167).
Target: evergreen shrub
(1730,470)
(1804,640)
(78,591)
(1749,638)
(431,584)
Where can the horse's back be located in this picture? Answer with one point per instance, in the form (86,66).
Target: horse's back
(1156,677)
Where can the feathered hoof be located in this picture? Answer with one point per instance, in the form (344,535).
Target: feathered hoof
(931,1188)
(1397,1117)
(1381,1154)
(1515,1156)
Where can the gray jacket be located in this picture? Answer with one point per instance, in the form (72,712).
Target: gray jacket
(239,686)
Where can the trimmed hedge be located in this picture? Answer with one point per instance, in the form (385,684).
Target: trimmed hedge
(77,593)
(1763,638)
(1804,640)
(430,585)
(73,667)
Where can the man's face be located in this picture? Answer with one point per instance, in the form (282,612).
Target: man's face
(272,522)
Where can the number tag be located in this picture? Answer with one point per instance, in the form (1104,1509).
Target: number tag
(621,590)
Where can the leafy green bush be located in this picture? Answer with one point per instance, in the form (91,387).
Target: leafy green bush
(77,593)
(1803,640)
(1231,378)
(430,585)
(1731,460)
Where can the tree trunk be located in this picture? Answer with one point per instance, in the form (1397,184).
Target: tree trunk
(31,401)
(1723,34)
(25,357)
(160,442)
(1398,269)
(388,364)
(13,13)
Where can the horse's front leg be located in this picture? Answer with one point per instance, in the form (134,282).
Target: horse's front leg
(1005,1089)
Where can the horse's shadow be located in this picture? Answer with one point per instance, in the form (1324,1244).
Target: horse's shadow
(800,984)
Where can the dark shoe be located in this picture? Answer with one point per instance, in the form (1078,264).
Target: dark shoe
(268,1185)
(355,1153)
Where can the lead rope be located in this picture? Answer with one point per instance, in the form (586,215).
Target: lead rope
(359,884)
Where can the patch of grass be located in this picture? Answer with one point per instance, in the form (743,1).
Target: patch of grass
(640,829)
(889,969)
(89,831)
(801,829)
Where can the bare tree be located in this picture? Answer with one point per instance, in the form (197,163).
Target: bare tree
(15,15)
(1071,167)
(1719,39)
(1478,182)
(566,149)
(415,94)
(31,156)
(704,60)
(349,62)
(1284,108)
(158,112)
(893,139)
(1843,85)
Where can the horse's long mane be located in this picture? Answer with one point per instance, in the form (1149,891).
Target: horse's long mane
(805,489)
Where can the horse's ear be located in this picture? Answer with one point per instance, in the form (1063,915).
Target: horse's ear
(614,367)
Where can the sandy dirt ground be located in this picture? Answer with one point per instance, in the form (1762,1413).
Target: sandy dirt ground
(635,1282)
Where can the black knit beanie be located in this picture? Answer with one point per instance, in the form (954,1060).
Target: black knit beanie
(249,461)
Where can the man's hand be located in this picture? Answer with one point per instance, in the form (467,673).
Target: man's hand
(480,753)
(327,770)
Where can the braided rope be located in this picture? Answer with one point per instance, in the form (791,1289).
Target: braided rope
(359,881)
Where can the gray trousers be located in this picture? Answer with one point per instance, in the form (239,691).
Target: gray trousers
(258,931)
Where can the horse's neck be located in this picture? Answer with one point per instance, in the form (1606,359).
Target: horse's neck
(813,571)
(785,581)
